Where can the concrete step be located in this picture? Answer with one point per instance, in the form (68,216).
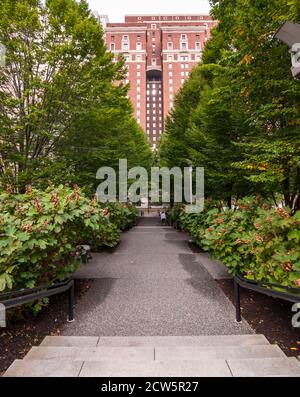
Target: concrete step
(204,368)
(116,341)
(147,353)
(276,367)
(265,367)
(140,353)
(217,352)
(42,368)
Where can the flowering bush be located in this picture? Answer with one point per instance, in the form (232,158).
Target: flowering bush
(255,239)
(40,232)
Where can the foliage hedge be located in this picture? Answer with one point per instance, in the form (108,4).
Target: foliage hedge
(255,239)
(41,230)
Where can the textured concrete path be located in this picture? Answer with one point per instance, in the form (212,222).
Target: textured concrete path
(153,284)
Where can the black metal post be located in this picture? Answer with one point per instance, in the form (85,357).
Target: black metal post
(237,298)
(71,302)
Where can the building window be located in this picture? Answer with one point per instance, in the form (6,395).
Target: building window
(171,89)
(138,82)
(138,58)
(139,121)
(138,89)
(153,61)
(138,112)
(182,81)
(138,105)
(138,74)
(169,37)
(153,26)
(170,58)
(170,74)
(197,37)
(198,46)
(186,65)
(183,46)
(171,96)
(170,46)
(125,46)
(112,38)
(138,46)
(183,37)
(171,104)
(170,66)
(154,138)
(112,47)
(182,73)
(170,81)
(138,66)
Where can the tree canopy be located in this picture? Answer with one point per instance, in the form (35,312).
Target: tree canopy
(243,125)
(64,110)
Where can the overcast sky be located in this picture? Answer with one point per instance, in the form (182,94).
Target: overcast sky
(116,9)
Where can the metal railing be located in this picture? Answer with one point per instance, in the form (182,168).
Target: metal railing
(275,290)
(20,297)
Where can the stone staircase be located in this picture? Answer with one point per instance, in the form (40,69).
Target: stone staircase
(160,356)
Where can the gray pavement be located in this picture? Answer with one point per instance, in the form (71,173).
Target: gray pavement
(153,284)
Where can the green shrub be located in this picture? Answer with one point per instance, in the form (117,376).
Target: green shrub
(256,240)
(40,232)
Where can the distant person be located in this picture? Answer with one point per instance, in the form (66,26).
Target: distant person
(163,217)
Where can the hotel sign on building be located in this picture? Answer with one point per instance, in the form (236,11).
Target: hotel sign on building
(160,52)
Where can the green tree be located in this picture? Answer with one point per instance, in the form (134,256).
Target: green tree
(58,83)
(246,121)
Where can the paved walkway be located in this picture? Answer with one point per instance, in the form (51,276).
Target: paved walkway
(153,284)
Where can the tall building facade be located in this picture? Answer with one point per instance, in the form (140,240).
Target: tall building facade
(160,52)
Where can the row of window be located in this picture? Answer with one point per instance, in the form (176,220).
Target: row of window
(153,105)
(183,46)
(154,125)
(170,58)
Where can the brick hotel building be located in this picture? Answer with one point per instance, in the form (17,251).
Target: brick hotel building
(160,52)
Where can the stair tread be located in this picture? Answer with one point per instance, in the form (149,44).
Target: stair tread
(146,353)
(187,368)
(202,340)
(252,367)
